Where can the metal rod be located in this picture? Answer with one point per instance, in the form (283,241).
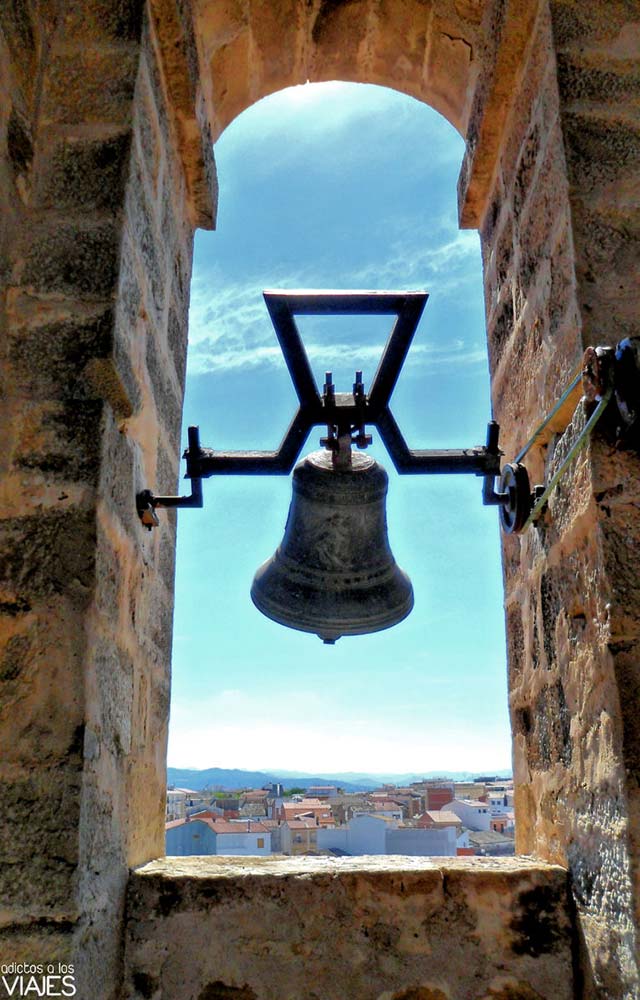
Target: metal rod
(490,496)
(539,429)
(575,449)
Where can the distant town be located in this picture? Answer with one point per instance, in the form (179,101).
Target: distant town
(435,817)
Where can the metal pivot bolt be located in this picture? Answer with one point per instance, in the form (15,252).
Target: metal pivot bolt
(515,491)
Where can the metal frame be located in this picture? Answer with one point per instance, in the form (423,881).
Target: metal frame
(346,412)
(343,409)
(603,372)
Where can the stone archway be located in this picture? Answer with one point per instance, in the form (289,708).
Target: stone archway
(430,51)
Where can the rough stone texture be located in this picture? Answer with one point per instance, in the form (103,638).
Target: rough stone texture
(553,187)
(251,48)
(360,928)
(95,261)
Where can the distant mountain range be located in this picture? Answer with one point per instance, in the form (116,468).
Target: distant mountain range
(350,781)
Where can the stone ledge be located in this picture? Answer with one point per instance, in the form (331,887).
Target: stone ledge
(366,928)
(216,867)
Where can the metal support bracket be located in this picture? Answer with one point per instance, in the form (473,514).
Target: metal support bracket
(343,414)
(147,502)
(346,415)
(605,374)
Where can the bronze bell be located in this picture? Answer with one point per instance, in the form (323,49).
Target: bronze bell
(334,573)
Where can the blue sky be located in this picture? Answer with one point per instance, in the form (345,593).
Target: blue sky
(338,186)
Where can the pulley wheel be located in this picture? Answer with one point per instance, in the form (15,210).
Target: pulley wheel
(516,506)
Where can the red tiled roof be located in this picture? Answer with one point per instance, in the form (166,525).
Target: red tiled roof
(253,826)
(173,823)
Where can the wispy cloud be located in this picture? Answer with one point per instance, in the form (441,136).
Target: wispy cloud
(230,327)
(339,112)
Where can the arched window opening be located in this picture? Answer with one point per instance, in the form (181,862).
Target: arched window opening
(339,186)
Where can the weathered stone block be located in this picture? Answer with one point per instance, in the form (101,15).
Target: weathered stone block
(144,227)
(515,642)
(129,303)
(581,81)
(167,554)
(17,26)
(151,609)
(405,28)
(580,25)
(41,687)
(563,306)
(51,942)
(622,558)
(338,31)
(177,337)
(73,260)
(49,359)
(545,211)
(598,150)
(230,77)
(608,272)
(111,20)
(49,553)
(160,633)
(549,738)
(152,90)
(91,85)
(34,881)
(500,330)
(119,468)
(113,672)
(535,80)
(110,558)
(356,927)
(167,469)
(450,61)
(165,391)
(112,379)
(61,440)
(151,149)
(85,174)
(530,156)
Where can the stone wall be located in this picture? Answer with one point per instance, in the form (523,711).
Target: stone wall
(348,929)
(106,172)
(552,191)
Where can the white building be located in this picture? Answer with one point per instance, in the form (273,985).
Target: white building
(473,814)
(500,802)
(176,804)
(241,838)
(372,833)
(209,836)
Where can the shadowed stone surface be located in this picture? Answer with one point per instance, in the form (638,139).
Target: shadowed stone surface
(391,928)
